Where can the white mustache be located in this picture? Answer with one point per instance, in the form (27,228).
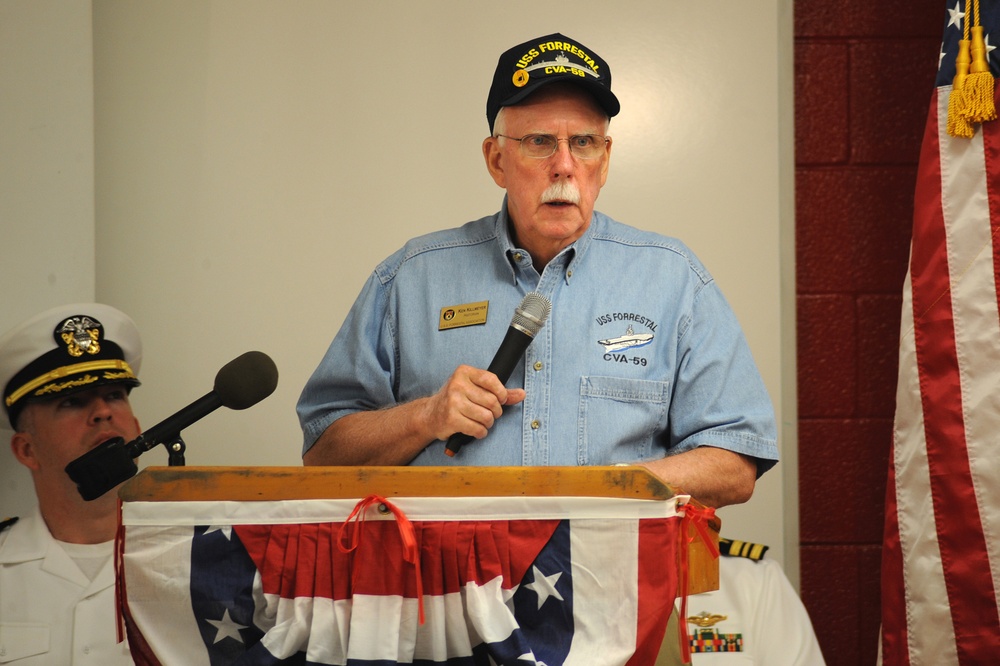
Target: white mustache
(562,190)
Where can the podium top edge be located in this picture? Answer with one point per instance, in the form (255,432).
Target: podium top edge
(283,483)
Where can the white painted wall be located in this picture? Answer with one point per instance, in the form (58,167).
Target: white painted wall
(254,160)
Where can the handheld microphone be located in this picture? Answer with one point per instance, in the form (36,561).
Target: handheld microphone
(529,317)
(241,383)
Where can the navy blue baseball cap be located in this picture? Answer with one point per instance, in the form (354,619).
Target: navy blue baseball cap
(553,58)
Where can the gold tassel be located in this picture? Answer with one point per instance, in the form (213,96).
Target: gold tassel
(958,122)
(978,88)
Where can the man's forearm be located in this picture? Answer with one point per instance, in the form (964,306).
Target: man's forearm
(715,477)
(390,436)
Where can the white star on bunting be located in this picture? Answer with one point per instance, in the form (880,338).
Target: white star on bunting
(545,586)
(227,628)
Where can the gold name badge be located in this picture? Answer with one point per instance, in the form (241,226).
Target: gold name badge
(457,316)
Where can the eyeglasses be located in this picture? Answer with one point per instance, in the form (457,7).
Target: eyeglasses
(540,146)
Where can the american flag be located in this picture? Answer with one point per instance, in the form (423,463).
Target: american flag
(941,551)
(506,581)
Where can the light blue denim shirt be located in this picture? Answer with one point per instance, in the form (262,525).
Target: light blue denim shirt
(640,358)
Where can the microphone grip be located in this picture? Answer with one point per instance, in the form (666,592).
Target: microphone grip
(510,352)
(504,361)
(102,468)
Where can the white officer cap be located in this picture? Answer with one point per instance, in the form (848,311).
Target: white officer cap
(66,349)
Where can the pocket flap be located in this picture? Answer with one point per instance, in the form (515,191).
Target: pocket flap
(22,639)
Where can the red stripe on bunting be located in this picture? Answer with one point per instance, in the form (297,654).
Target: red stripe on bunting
(304,560)
(657,572)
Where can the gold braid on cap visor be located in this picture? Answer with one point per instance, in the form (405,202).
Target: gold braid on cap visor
(66,370)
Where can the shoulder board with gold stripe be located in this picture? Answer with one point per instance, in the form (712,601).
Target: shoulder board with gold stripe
(735,548)
(7,522)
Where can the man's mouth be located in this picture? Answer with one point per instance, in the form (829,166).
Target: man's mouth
(103,437)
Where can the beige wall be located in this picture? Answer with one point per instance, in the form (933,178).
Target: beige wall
(46,177)
(255,160)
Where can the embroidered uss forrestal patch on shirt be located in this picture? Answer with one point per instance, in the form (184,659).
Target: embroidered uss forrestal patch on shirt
(457,316)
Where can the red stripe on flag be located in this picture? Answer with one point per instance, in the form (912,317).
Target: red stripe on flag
(946,206)
(927,205)
(895,649)
(956,511)
(991,155)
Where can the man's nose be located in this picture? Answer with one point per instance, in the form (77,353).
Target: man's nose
(563,159)
(100,409)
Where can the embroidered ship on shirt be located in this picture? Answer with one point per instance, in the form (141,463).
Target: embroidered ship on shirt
(630,340)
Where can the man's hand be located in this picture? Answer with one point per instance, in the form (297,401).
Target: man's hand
(469,402)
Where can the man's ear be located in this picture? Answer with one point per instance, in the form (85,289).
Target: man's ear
(492,155)
(23,448)
(607,163)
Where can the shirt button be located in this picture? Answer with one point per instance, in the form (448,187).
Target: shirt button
(536,424)
(569,273)
(538,365)
(517,257)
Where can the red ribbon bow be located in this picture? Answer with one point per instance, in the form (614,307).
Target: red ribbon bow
(699,517)
(411,552)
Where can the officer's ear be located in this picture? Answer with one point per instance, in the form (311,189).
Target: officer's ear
(23,447)
(22,444)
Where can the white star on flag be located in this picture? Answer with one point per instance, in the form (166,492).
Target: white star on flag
(956,16)
(989,48)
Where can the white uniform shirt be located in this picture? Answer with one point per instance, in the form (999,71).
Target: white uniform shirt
(50,612)
(765,619)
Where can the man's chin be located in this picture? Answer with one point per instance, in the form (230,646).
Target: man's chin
(561,221)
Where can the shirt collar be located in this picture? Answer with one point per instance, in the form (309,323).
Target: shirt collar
(572,254)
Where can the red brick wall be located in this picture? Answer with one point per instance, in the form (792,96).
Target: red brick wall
(863,77)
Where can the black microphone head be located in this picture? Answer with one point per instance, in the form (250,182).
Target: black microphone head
(530,315)
(246,380)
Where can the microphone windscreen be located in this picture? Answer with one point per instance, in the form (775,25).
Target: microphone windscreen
(531,314)
(246,380)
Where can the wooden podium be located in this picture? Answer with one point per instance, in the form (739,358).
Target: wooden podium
(280,484)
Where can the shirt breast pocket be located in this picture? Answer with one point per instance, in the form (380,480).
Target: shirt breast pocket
(19,640)
(619,417)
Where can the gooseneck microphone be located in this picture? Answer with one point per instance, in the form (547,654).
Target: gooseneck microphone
(529,317)
(241,383)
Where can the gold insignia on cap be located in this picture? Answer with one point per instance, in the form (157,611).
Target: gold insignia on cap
(81,334)
(85,380)
(520,78)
